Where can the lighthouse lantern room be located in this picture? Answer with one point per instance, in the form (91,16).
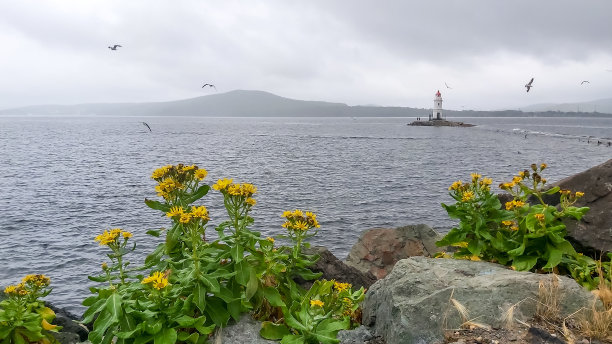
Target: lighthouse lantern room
(437,109)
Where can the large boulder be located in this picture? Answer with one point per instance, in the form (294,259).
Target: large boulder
(592,234)
(413,303)
(333,268)
(378,249)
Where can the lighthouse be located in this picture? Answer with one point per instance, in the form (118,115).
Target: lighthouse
(437,109)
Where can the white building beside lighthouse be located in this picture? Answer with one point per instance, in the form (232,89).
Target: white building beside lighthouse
(437,109)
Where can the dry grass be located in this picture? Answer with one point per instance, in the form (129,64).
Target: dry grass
(464,313)
(548,306)
(596,322)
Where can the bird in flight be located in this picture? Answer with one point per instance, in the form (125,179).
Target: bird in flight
(145,123)
(585,81)
(114,47)
(448,86)
(210,85)
(529,86)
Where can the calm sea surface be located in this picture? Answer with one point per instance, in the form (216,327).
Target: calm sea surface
(63,180)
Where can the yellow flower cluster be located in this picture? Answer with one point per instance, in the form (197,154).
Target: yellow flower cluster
(37,281)
(514,204)
(244,191)
(510,225)
(195,213)
(467,196)
(166,187)
(158,280)
(340,287)
(110,236)
(16,290)
(172,178)
(316,303)
(456,185)
(299,221)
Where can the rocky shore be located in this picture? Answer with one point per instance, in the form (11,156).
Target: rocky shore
(412,298)
(440,123)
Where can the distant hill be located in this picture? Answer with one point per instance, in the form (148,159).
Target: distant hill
(241,103)
(601,105)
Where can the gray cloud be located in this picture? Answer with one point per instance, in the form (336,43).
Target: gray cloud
(357,52)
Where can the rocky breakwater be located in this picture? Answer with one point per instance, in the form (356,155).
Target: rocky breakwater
(440,123)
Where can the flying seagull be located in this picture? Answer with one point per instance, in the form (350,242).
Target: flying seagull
(529,84)
(210,85)
(114,47)
(145,123)
(448,86)
(585,81)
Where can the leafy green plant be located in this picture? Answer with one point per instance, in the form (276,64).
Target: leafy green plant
(195,284)
(527,237)
(327,308)
(23,317)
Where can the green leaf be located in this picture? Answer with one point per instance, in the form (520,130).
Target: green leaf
(217,311)
(552,190)
(244,272)
(273,296)
(200,297)
(524,263)
(252,285)
(554,257)
(165,336)
(326,337)
(293,339)
(154,257)
(184,321)
(212,283)
(157,205)
(455,235)
(93,310)
(113,306)
(237,252)
(331,325)
(576,213)
(272,331)
(156,233)
(199,193)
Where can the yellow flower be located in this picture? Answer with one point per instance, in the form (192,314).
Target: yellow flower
(461,244)
(486,181)
(579,194)
(514,228)
(200,174)
(222,184)
(316,303)
(248,189)
(251,201)
(286,213)
(543,166)
(126,235)
(456,185)
(522,174)
(104,266)
(516,180)
(189,168)
(270,239)
(157,280)
(540,217)
(200,212)
(185,218)
(475,258)
(507,223)
(106,238)
(161,172)
(341,286)
(175,211)
(467,196)
(475,176)
(234,190)
(11,289)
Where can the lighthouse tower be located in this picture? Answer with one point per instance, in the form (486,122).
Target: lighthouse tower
(437,109)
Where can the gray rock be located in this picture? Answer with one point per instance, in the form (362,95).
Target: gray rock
(66,337)
(378,249)
(412,304)
(333,268)
(245,331)
(359,335)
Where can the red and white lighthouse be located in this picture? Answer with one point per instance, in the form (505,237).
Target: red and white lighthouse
(437,109)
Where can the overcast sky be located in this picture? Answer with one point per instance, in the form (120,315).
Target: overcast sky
(392,53)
